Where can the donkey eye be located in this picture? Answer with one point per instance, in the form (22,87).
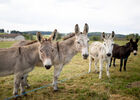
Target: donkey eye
(52,50)
(41,51)
(78,42)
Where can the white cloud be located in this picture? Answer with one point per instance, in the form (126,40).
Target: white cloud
(122,16)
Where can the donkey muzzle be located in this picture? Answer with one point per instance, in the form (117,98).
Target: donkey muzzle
(85,56)
(108,54)
(135,52)
(48,66)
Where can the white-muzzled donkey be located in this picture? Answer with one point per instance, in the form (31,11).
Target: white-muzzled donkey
(29,42)
(101,52)
(69,47)
(21,60)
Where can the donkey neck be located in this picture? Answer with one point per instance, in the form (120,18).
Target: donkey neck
(68,49)
(30,53)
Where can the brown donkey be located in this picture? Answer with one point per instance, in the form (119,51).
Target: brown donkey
(64,51)
(21,60)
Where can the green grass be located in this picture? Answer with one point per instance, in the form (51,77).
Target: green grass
(85,87)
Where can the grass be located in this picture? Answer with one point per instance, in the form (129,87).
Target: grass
(85,87)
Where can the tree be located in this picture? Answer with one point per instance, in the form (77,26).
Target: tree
(1,30)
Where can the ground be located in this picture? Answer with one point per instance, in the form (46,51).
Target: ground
(81,85)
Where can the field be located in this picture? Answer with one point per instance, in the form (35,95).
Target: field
(121,85)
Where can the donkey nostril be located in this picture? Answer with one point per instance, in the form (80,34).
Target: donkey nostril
(85,56)
(108,54)
(135,53)
(48,66)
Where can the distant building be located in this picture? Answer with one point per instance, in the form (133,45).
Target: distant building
(11,37)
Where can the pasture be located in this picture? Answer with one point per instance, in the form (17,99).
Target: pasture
(121,85)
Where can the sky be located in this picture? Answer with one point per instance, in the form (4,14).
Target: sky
(121,16)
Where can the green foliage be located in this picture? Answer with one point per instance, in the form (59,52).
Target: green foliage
(59,36)
(28,36)
(94,38)
(132,36)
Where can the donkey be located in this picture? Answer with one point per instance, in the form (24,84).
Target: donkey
(21,60)
(28,42)
(64,51)
(123,52)
(72,44)
(101,52)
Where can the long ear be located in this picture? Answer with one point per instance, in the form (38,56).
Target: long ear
(103,35)
(86,28)
(137,40)
(77,30)
(112,35)
(39,36)
(53,35)
(131,40)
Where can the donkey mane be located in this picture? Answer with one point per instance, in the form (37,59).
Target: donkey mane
(68,36)
(32,42)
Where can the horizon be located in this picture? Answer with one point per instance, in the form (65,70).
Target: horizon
(123,17)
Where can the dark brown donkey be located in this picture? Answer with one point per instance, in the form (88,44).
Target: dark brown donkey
(123,52)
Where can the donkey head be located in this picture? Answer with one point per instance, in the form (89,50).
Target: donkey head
(82,40)
(108,43)
(134,46)
(46,49)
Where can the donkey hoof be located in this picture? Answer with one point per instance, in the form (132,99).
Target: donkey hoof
(15,94)
(24,93)
(27,86)
(55,90)
(96,72)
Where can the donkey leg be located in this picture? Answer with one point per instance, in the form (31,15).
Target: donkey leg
(114,62)
(121,63)
(101,68)
(95,64)
(22,85)
(90,63)
(57,70)
(125,61)
(107,68)
(26,81)
(110,62)
(17,80)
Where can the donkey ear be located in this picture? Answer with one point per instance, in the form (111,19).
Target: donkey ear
(39,36)
(103,35)
(53,35)
(77,30)
(113,34)
(86,28)
(137,40)
(131,40)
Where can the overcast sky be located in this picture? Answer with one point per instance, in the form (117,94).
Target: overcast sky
(122,16)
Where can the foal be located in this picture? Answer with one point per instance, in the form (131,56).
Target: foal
(101,52)
(21,60)
(123,52)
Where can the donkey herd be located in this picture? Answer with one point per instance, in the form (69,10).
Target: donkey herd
(23,56)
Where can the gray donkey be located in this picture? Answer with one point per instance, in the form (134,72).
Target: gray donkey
(21,60)
(28,42)
(63,51)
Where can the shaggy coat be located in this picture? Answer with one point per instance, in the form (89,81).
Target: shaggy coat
(101,52)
